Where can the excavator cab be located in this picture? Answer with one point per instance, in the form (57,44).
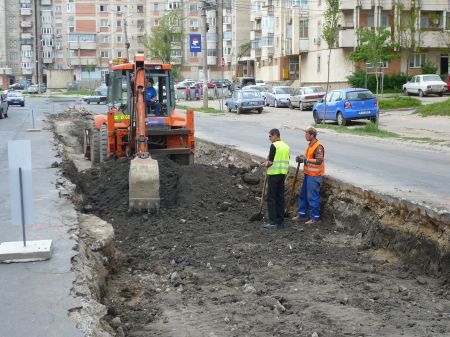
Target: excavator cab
(132,129)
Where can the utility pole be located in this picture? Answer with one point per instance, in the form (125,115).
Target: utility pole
(127,44)
(37,42)
(205,56)
(219,12)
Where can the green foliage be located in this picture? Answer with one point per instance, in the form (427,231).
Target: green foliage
(429,68)
(167,35)
(392,83)
(375,46)
(398,102)
(435,109)
(329,29)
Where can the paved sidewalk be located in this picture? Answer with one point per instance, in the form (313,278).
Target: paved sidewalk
(35,297)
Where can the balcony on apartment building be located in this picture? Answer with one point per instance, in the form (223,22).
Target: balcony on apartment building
(267,52)
(25,11)
(82,60)
(25,2)
(82,41)
(347,38)
(27,71)
(26,24)
(46,2)
(26,36)
(303,45)
(255,51)
(212,60)
(5,70)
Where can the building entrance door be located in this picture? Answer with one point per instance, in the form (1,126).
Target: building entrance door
(444,64)
(293,71)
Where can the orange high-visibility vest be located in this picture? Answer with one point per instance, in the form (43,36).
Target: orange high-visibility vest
(314,169)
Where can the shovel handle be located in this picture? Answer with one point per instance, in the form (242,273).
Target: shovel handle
(263,192)
(293,187)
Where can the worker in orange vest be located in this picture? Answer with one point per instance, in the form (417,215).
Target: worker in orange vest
(313,169)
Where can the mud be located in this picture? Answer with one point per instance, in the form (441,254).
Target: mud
(201,268)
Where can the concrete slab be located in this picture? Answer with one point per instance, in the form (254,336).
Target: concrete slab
(15,251)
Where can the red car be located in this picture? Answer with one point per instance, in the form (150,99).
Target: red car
(448,83)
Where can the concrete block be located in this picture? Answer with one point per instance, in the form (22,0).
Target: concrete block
(38,250)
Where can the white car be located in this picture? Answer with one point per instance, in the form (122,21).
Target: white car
(423,85)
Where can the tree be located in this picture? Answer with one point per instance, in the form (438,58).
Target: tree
(330,35)
(407,34)
(90,68)
(167,35)
(375,49)
(243,50)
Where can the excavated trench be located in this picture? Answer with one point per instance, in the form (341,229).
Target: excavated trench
(375,266)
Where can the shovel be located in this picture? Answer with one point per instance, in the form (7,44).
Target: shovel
(260,215)
(286,212)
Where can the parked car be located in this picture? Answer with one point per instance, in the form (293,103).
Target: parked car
(279,96)
(15,98)
(261,88)
(100,95)
(3,106)
(240,82)
(344,105)
(260,82)
(17,86)
(448,83)
(72,86)
(424,85)
(306,97)
(184,83)
(37,89)
(245,100)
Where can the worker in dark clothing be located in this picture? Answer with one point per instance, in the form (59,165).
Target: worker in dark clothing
(277,165)
(314,169)
(151,97)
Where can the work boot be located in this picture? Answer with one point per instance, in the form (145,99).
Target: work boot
(270,226)
(312,222)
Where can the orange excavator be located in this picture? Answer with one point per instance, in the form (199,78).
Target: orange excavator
(134,128)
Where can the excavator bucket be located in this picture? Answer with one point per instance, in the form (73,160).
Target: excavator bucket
(144,185)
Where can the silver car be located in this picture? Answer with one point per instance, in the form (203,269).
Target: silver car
(306,97)
(279,96)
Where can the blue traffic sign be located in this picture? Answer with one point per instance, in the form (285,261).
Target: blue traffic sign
(195,43)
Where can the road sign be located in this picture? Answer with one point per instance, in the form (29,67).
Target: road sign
(195,43)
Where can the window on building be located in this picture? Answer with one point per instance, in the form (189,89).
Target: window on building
(119,53)
(13,55)
(119,23)
(318,64)
(176,52)
(431,20)
(256,44)
(47,54)
(416,60)
(211,22)
(227,36)
(193,23)
(212,52)
(174,5)
(70,7)
(119,38)
(156,7)
(140,8)
(59,55)
(211,37)
(58,9)
(13,43)
(47,42)
(267,22)
(140,24)
(104,54)
(103,8)
(70,23)
(382,64)
(227,51)
(384,21)
(119,9)
(193,54)
(104,23)
(267,41)
(104,39)
(140,39)
(27,65)
(193,8)
(46,31)
(46,20)
(156,22)
(303,28)
(27,53)
(256,6)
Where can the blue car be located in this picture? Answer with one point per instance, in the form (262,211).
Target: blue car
(245,100)
(348,104)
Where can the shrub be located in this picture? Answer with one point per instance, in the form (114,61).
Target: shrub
(391,82)
(429,68)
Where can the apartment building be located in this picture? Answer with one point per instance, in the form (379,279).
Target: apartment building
(287,43)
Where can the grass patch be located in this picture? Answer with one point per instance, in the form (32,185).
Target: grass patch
(369,130)
(435,109)
(207,110)
(398,102)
